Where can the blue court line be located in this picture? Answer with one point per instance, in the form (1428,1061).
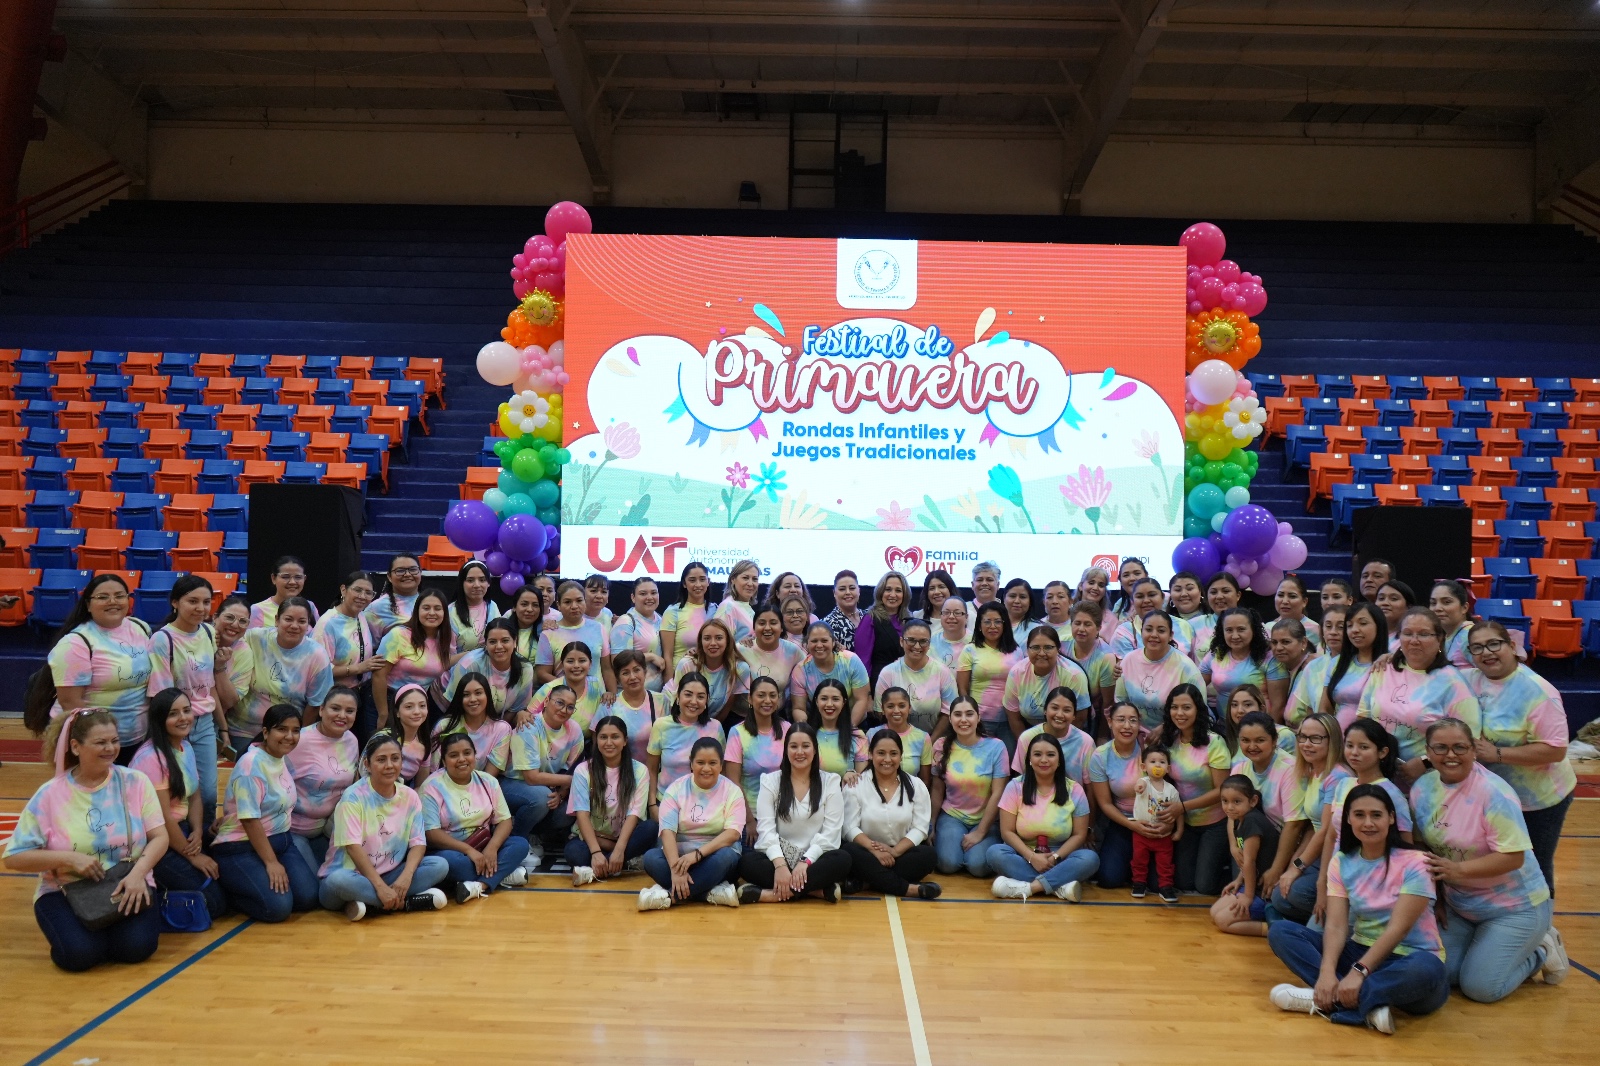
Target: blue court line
(105,1016)
(1581,968)
(7,873)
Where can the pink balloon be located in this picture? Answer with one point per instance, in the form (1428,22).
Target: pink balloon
(1209,292)
(1208,272)
(1289,552)
(1285,529)
(1230,293)
(567,217)
(1205,243)
(1195,307)
(1266,580)
(1228,271)
(1253,298)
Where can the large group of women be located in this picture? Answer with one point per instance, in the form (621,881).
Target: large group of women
(1380,794)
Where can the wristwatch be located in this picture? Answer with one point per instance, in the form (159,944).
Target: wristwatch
(1362,970)
(1298,863)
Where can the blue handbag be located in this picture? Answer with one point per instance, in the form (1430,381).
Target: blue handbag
(184,911)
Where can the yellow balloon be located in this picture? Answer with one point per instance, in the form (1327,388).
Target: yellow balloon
(1215,448)
(508,425)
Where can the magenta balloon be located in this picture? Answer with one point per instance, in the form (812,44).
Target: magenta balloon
(1228,271)
(521,537)
(564,218)
(1254,298)
(471,525)
(1205,243)
(1209,291)
(1250,531)
(510,583)
(1198,556)
(1288,552)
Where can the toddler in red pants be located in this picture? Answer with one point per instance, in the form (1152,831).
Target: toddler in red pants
(1153,797)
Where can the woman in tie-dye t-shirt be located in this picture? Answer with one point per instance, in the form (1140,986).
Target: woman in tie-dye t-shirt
(1113,778)
(378,836)
(765,651)
(639,630)
(1044,829)
(395,605)
(261,870)
(1150,673)
(1061,718)
(1238,655)
(459,802)
(969,774)
(285,668)
(672,738)
(102,659)
(610,794)
(509,675)
(345,633)
(928,682)
(1498,907)
(288,582)
(681,622)
(916,746)
(324,763)
(472,608)
(1416,687)
(755,746)
(1042,672)
(575,674)
(1199,761)
(702,819)
(636,705)
(982,670)
(183,655)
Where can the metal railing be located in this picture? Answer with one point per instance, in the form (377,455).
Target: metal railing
(1580,208)
(32,218)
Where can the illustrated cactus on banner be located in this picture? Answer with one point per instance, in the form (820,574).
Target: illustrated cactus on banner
(1223,530)
(516,528)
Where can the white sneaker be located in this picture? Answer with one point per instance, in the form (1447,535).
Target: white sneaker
(515,879)
(654,898)
(1072,892)
(467,891)
(1555,957)
(1011,888)
(723,895)
(1381,1019)
(535,857)
(1295,998)
(582,875)
(355,910)
(429,899)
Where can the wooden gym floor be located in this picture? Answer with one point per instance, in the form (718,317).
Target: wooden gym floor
(555,974)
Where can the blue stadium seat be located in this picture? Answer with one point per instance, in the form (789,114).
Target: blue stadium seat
(1507,612)
(304,473)
(334,392)
(43,441)
(1407,388)
(1590,568)
(249,366)
(1589,611)
(1299,444)
(41,414)
(1336,386)
(1525,502)
(414,394)
(393,368)
(48,472)
(186,390)
(108,387)
(234,558)
(52,549)
(1371,469)
(1450,469)
(1555,390)
(276,418)
(288,447)
(1535,470)
(135,475)
(1317,411)
(1458,441)
(1540,442)
(322,367)
(104,362)
(368,448)
(51,509)
(199,416)
(1512,576)
(1395,412)
(152,600)
(1348,499)
(230,513)
(208,444)
(1592,531)
(1519,537)
(220,475)
(350,419)
(33,386)
(57,593)
(1547,415)
(35,359)
(120,414)
(142,510)
(1439,495)
(487,456)
(1264,384)
(1382,440)
(149,549)
(258,390)
(1470,414)
(1481,389)
(178,364)
(125,443)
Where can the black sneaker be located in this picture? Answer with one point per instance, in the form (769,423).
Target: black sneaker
(427,900)
(1138,890)
(749,893)
(1168,894)
(929,890)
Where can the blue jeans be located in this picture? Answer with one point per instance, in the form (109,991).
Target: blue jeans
(704,875)
(531,810)
(641,840)
(509,858)
(1078,866)
(1544,829)
(176,873)
(76,949)
(1414,983)
(244,879)
(952,857)
(1116,854)
(203,738)
(313,850)
(347,886)
(1488,960)
(1300,902)
(1000,729)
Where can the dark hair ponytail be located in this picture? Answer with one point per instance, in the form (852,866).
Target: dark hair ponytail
(156,736)
(905,779)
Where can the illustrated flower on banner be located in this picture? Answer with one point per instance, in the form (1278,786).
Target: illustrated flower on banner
(622,442)
(770,481)
(1089,490)
(1004,483)
(796,513)
(739,476)
(1148,447)
(895,517)
(967,505)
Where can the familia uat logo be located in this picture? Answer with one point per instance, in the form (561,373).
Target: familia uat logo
(658,555)
(908,561)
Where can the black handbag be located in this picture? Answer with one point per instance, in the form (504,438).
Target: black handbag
(91,901)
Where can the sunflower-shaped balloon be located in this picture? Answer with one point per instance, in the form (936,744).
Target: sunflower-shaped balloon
(520,331)
(1226,335)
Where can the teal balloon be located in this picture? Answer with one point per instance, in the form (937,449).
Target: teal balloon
(1195,526)
(545,494)
(563,457)
(1217,520)
(550,515)
(1237,496)
(518,503)
(509,484)
(495,500)
(527,466)
(1205,500)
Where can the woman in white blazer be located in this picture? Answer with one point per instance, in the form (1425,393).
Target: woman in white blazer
(799,820)
(886,819)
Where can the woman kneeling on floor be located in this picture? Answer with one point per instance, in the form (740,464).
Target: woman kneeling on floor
(468,825)
(799,823)
(377,855)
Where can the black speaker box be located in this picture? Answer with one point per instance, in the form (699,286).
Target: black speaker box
(1424,543)
(319,524)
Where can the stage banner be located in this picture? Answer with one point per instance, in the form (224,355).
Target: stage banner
(822,404)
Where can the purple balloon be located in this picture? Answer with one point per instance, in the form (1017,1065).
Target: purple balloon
(1197,555)
(521,536)
(1250,531)
(537,563)
(511,583)
(471,525)
(497,562)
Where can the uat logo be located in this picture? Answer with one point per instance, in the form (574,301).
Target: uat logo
(657,555)
(1108,563)
(903,560)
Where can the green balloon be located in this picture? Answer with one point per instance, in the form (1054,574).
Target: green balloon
(1213,471)
(527,467)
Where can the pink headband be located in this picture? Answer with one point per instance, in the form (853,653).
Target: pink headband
(410,686)
(63,742)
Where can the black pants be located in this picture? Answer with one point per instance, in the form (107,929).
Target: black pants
(831,868)
(1544,829)
(895,880)
(1201,855)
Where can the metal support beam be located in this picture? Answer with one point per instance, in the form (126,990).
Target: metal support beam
(575,85)
(1565,145)
(1106,92)
(76,94)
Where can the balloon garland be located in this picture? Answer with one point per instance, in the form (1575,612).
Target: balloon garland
(1223,530)
(516,528)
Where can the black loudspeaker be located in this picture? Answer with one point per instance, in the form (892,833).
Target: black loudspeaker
(1423,543)
(320,524)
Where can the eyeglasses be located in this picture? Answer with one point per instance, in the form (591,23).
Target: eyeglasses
(911,642)
(1491,646)
(109,597)
(406,571)
(1311,738)
(1449,749)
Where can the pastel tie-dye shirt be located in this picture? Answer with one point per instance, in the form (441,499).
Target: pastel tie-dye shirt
(553,641)
(1204,627)
(638,720)
(507,698)
(632,631)
(540,748)
(989,668)
(1407,701)
(242,670)
(383,616)
(1129,637)
(1313,631)
(833,758)
(300,676)
(1227,673)
(1098,666)
(1191,773)
(683,621)
(347,639)
(1077,748)
(1025,690)
(915,748)
(1476,817)
(778,664)
(1282,793)
(931,688)
(945,650)
(462,810)
(583,712)
(1522,709)
(608,823)
(847,669)
(698,816)
(383,828)
(1120,774)
(113,668)
(1336,788)
(261,787)
(757,755)
(112,822)
(739,616)
(410,664)
(1374,886)
(970,777)
(490,736)
(1346,695)
(731,680)
(154,766)
(323,767)
(671,743)
(1455,649)
(1306,693)
(1145,684)
(469,634)
(1044,817)
(264,615)
(186,661)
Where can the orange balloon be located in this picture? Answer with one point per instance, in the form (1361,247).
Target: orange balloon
(1218,334)
(520,333)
